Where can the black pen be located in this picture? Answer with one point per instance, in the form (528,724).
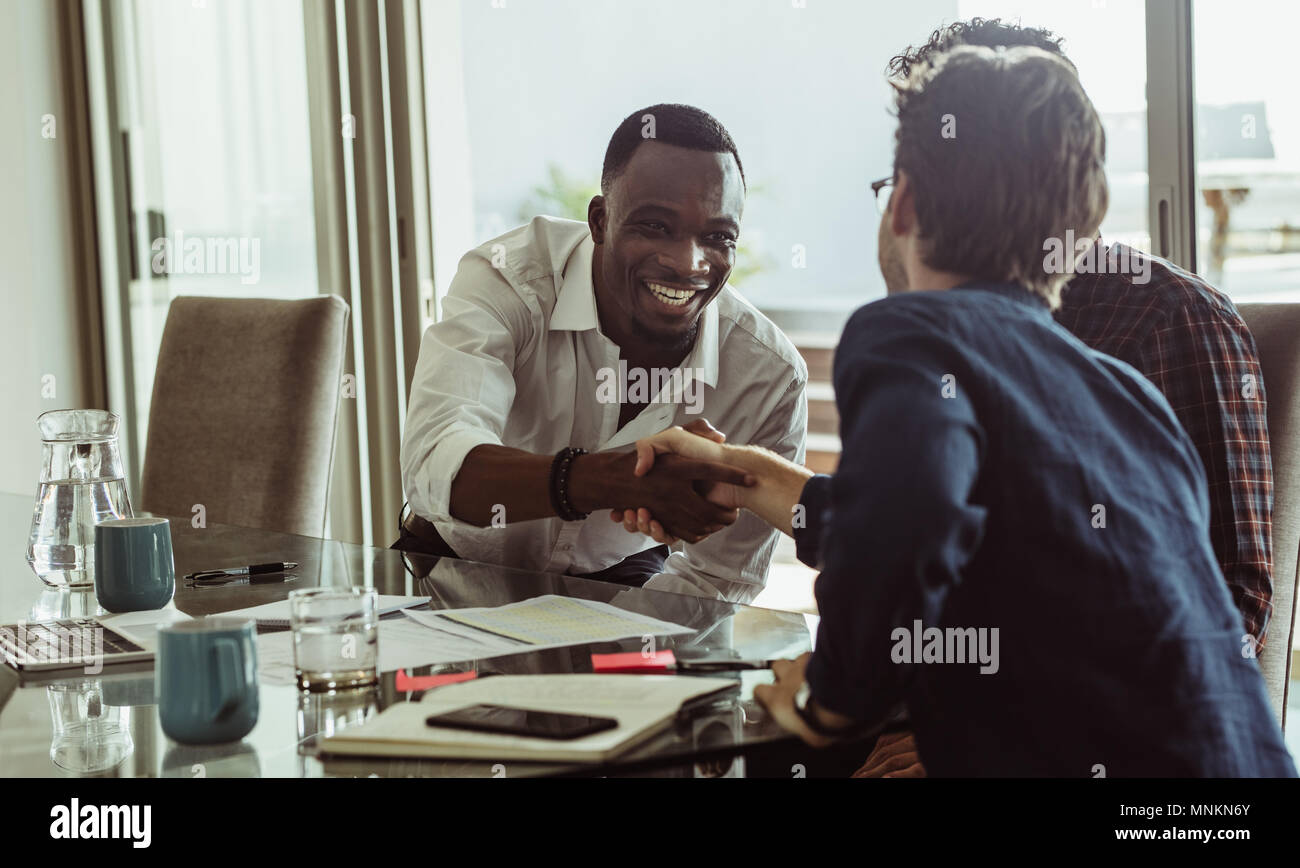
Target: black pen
(719,664)
(251,572)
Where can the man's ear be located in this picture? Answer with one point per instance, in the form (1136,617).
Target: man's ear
(902,206)
(596,217)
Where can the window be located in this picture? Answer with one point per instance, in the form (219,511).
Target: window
(1247,149)
(219,160)
(1106,40)
(802,90)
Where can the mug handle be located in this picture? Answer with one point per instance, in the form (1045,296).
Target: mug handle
(227,677)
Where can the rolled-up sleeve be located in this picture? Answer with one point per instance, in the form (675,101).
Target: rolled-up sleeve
(900,525)
(810,520)
(732,564)
(464,384)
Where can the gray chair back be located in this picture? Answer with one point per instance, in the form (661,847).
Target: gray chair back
(1276,328)
(244,410)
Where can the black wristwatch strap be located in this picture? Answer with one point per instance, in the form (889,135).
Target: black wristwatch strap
(559,490)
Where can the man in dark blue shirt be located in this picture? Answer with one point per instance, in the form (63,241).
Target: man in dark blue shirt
(1015,543)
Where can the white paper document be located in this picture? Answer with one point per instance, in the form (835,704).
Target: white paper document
(425,637)
(549,621)
(142,627)
(277,613)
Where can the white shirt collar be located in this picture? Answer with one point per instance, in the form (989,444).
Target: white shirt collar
(575,310)
(575,304)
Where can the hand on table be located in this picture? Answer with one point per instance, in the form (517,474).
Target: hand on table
(894,756)
(778,698)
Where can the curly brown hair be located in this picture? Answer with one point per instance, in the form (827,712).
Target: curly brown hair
(1004,153)
(988,32)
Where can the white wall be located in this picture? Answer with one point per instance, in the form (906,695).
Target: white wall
(39,328)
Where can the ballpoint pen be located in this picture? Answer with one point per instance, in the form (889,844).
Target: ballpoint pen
(253,573)
(720,664)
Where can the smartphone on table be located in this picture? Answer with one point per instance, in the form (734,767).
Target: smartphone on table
(521,721)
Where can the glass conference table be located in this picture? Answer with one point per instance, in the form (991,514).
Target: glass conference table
(41,719)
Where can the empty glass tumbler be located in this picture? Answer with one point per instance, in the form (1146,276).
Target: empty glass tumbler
(82,483)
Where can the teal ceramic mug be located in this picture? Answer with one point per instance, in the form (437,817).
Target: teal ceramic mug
(206,679)
(134,570)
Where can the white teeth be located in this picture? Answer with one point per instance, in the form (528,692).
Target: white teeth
(670,296)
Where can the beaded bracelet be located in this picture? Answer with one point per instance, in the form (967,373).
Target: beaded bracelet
(559,490)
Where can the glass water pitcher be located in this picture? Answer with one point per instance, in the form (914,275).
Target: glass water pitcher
(81,484)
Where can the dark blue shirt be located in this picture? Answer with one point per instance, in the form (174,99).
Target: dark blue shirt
(999,475)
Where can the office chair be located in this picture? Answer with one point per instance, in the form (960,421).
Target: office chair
(244,411)
(1277,334)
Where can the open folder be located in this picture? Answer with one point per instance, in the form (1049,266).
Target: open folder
(642,705)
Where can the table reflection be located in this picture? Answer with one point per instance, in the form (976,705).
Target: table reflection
(90,736)
(321,715)
(56,603)
(231,760)
(722,729)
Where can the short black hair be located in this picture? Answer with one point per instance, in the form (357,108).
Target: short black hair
(986,32)
(684,126)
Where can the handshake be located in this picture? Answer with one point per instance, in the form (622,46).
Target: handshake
(686,484)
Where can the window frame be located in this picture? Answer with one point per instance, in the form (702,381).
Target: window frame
(1171,131)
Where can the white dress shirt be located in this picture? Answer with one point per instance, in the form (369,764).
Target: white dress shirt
(515,361)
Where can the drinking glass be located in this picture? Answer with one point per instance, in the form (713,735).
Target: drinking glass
(335,637)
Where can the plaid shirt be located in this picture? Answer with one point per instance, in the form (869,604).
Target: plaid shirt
(1188,339)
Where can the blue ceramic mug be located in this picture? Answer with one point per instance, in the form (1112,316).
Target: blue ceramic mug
(206,679)
(134,570)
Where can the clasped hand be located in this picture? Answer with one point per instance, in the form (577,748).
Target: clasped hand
(676,453)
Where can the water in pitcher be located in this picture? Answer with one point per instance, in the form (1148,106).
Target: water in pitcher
(81,484)
(62,544)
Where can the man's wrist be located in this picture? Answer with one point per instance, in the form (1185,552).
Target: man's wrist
(594,483)
(560,484)
(762,462)
(778,480)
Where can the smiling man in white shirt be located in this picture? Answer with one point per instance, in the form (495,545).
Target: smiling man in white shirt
(562,343)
